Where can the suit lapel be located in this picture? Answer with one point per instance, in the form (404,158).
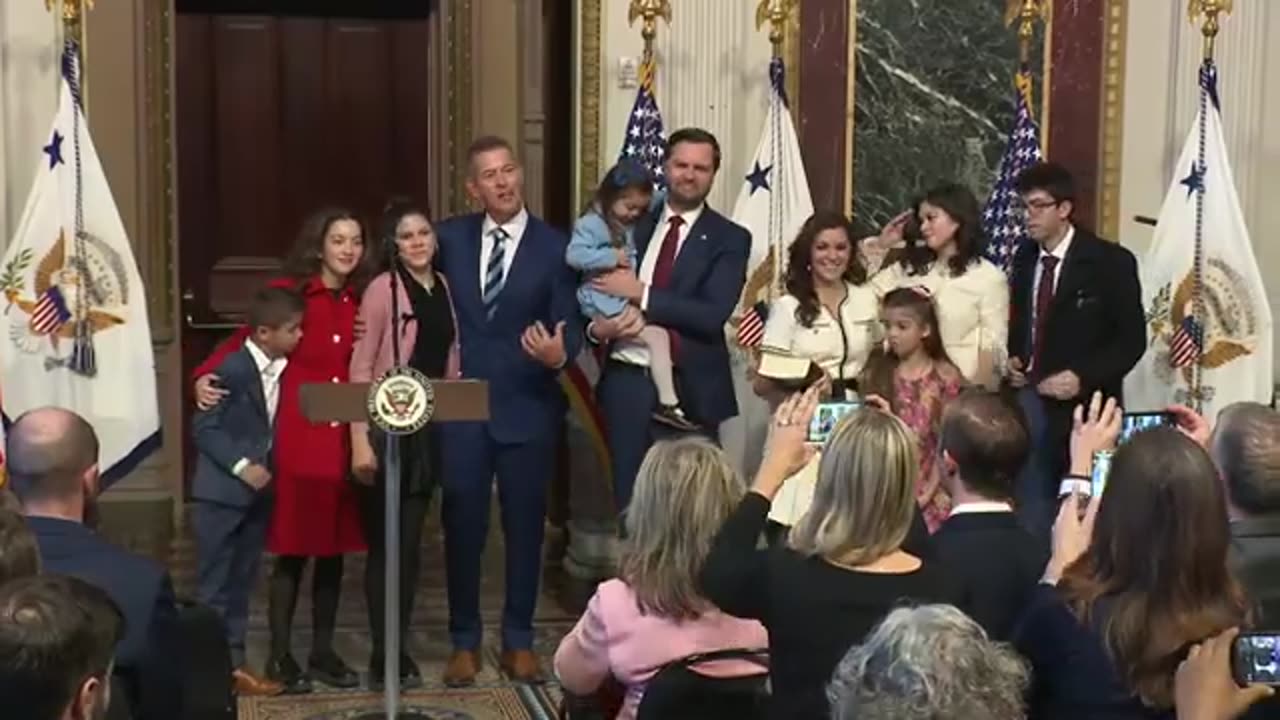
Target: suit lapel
(522,269)
(254,379)
(695,251)
(1071,274)
(644,229)
(466,283)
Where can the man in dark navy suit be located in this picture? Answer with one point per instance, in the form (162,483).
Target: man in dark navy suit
(693,262)
(53,463)
(1077,327)
(518,325)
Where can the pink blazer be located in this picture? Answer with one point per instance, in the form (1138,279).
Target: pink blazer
(614,637)
(371,355)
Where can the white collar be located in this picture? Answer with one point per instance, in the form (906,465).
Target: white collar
(514,227)
(689,216)
(1060,251)
(981,506)
(261,360)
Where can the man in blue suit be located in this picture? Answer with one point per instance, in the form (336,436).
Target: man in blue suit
(53,463)
(693,264)
(518,325)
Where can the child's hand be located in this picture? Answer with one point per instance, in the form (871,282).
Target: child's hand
(624,261)
(255,476)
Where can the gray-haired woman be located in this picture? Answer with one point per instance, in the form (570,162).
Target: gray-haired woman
(929,663)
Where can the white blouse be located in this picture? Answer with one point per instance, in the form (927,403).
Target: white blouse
(973,310)
(838,346)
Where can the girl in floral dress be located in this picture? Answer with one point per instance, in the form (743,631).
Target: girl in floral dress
(917,379)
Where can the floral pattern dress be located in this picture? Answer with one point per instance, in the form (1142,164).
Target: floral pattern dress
(919,403)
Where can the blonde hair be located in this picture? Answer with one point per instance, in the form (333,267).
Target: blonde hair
(865,492)
(684,492)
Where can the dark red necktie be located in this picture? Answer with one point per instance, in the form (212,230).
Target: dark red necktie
(1044,298)
(663,268)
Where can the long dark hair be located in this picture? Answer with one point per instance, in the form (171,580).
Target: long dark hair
(799,277)
(882,365)
(396,209)
(306,257)
(626,175)
(958,202)
(1155,578)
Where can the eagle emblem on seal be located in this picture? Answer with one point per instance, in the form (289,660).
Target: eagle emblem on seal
(72,293)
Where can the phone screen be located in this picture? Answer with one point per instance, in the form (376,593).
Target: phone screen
(1098,476)
(825,419)
(1255,658)
(1133,423)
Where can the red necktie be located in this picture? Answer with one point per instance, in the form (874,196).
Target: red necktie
(1044,298)
(666,264)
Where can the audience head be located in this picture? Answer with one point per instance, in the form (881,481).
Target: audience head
(624,194)
(950,226)
(1049,195)
(407,225)
(275,315)
(928,663)
(494,177)
(984,443)
(331,245)
(864,498)
(19,554)
(691,163)
(1245,446)
(1158,555)
(57,641)
(684,491)
(53,464)
(822,254)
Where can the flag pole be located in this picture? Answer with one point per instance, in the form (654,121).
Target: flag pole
(1025,13)
(73,12)
(1206,11)
(777,13)
(649,11)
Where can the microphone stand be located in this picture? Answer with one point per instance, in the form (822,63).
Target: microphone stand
(391,525)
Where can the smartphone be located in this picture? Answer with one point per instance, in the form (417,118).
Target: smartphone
(825,419)
(1101,470)
(1255,658)
(1133,423)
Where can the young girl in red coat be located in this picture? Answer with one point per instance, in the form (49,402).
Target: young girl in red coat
(316,513)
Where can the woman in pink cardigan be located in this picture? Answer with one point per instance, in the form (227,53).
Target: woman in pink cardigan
(428,343)
(652,613)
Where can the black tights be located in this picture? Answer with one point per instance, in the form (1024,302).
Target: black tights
(282,599)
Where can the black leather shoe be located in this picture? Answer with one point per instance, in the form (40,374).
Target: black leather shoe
(326,667)
(286,671)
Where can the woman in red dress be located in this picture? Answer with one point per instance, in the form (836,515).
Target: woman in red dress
(316,513)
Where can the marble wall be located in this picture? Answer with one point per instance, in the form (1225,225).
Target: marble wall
(933,99)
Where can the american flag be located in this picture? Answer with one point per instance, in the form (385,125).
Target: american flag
(646,141)
(1187,343)
(50,312)
(1003,220)
(751,326)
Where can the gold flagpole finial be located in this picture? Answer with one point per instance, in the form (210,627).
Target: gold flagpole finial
(1025,13)
(72,11)
(649,11)
(1208,12)
(776,13)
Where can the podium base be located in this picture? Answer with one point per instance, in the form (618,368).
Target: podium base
(382,715)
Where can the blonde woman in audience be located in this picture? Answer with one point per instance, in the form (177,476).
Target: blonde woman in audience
(653,612)
(972,294)
(842,568)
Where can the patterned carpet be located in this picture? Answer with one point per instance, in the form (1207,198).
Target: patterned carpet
(560,603)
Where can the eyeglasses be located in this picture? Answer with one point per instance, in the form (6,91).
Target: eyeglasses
(1038,205)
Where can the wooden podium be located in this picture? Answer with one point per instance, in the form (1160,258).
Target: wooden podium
(436,401)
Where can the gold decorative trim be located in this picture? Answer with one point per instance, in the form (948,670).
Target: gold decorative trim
(159,221)
(459,21)
(1046,78)
(791,56)
(589,94)
(851,67)
(1115,30)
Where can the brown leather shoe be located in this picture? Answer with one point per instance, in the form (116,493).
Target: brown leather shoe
(522,666)
(462,669)
(247,684)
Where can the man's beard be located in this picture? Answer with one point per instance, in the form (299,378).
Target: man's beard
(90,516)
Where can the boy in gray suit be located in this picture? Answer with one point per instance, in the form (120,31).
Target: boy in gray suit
(231,490)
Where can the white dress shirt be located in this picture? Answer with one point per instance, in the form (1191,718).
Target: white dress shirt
(1059,252)
(634,351)
(269,371)
(515,230)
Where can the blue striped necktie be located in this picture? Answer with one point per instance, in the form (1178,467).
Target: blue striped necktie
(495,272)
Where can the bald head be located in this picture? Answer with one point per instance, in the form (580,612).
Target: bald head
(48,452)
(1246,448)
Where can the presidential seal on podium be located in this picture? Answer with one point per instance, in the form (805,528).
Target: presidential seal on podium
(401,402)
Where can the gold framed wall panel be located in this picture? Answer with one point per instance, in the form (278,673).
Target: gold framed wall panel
(1111,145)
(159,220)
(589,98)
(459,20)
